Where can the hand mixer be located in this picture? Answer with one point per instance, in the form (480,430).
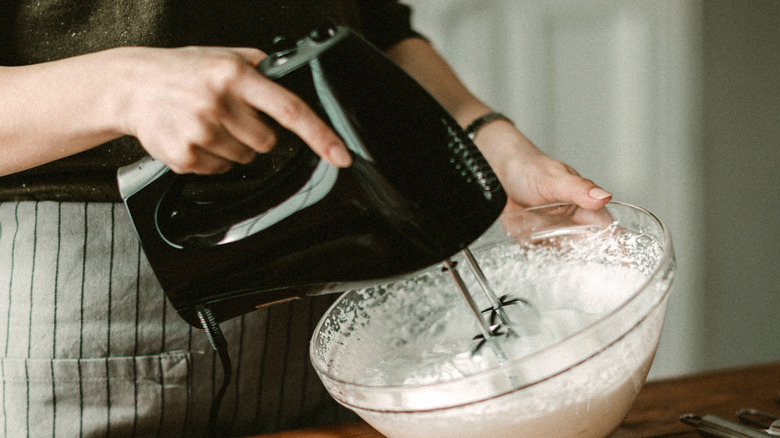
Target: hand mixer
(418,192)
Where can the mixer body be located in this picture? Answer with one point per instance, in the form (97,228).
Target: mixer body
(418,191)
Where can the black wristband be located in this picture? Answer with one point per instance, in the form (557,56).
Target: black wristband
(481,121)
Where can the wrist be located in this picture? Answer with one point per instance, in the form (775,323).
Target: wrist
(125,70)
(504,146)
(480,122)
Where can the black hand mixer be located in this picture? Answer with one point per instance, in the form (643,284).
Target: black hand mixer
(418,192)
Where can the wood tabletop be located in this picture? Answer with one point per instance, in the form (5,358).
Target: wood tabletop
(656,412)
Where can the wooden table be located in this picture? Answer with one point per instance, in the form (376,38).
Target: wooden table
(658,407)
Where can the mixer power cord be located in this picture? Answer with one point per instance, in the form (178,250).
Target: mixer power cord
(219,343)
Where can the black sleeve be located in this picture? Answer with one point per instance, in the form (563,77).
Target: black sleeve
(386,22)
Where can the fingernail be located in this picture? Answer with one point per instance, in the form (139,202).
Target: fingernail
(340,157)
(599,193)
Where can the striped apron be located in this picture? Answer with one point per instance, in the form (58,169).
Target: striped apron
(91,347)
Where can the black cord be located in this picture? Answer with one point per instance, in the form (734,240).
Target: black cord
(219,343)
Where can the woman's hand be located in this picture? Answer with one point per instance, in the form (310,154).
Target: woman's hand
(196,109)
(529,176)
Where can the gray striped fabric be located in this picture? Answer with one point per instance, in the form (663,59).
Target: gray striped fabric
(92,348)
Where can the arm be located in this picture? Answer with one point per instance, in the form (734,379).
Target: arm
(195,109)
(528,175)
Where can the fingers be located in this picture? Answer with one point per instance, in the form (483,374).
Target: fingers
(255,92)
(247,127)
(534,179)
(197,109)
(293,113)
(530,177)
(213,151)
(580,191)
(202,161)
(525,223)
(289,110)
(224,145)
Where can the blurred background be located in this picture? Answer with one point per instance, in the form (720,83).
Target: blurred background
(672,105)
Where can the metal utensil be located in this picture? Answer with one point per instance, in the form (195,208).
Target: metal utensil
(716,426)
(757,424)
(763,420)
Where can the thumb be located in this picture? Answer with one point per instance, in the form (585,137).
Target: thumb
(581,191)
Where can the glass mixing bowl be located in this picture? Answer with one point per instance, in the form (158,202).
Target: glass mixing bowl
(584,293)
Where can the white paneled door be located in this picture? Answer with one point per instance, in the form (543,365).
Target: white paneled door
(610,87)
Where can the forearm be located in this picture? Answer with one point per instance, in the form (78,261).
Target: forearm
(59,108)
(194,108)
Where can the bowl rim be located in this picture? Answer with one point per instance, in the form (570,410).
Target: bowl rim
(665,263)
